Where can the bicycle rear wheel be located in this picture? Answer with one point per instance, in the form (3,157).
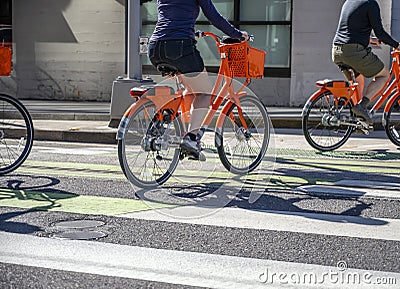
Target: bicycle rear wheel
(242,150)
(149,150)
(16,133)
(392,122)
(321,122)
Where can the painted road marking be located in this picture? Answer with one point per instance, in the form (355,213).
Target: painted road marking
(301,222)
(369,184)
(336,189)
(87,151)
(177,267)
(97,205)
(72,203)
(114,171)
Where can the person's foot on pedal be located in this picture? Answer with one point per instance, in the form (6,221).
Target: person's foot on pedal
(360,110)
(191,146)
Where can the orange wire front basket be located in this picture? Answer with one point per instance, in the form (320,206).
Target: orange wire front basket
(243,60)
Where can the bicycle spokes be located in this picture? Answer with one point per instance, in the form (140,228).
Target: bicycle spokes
(149,150)
(244,136)
(392,122)
(326,122)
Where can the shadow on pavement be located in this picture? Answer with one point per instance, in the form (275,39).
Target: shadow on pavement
(18,188)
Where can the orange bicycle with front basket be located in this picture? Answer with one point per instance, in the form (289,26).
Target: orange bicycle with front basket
(327,117)
(151,130)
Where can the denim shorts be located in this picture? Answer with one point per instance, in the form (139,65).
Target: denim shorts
(360,58)
(181,53)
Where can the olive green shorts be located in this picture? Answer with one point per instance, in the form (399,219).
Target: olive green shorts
(360,58)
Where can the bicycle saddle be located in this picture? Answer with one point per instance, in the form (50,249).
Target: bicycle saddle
(348,71)
(167,69)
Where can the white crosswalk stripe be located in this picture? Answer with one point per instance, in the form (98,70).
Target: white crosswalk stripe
(187,268)
(326,224)
(211,270)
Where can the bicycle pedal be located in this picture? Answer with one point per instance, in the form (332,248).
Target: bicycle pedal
(201,157)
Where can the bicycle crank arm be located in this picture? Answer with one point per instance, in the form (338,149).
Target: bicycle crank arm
(360,125)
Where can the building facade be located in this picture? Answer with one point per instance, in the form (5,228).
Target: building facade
(74,49)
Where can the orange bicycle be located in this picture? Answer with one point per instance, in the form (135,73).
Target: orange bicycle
(327,117)
(152,128)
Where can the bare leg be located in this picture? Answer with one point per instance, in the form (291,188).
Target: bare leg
(378,82)
(360,109)
(361,82)
(198,111)
(201,87)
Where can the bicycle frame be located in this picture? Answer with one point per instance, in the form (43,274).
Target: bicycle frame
(349,91)
(165,101)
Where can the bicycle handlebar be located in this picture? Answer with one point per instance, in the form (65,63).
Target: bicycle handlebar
(216,37)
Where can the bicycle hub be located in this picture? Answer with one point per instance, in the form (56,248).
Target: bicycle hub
(330,120)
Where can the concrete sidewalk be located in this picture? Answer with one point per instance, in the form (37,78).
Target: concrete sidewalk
(89,121)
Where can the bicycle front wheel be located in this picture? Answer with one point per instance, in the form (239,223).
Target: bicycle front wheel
(322,126)
(149,150)
(16,133)
(241,150)
(392,122)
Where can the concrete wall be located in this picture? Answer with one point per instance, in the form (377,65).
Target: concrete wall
(74,49)
(396,20)
(314,26)
(68,49)
(272,91)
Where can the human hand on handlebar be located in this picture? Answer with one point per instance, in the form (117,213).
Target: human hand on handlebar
(245,36)
(374,41)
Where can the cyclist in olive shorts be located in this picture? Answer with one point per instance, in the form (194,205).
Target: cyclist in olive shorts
(173,42)
(350,48)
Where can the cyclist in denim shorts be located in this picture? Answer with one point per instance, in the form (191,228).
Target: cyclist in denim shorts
(350,47)
(173,42)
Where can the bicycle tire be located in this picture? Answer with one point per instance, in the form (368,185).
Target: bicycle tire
(241,151)
(16,133)
(147,169)
(316,117)
(392,122)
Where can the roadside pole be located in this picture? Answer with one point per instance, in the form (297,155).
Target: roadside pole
(120,98)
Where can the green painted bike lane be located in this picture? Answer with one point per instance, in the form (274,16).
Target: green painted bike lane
(291,169)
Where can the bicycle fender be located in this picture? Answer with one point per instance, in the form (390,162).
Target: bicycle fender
(387,107)
(311,99)
(127,116)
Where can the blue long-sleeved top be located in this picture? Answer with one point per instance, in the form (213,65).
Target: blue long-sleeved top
(177,18)
(357,19)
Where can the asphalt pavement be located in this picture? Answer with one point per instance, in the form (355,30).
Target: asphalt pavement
(313,213)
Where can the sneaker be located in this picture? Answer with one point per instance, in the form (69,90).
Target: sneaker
(362,112)
(192,148)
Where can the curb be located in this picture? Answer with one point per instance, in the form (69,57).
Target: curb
(76,136)
(71,116)
(99,128)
